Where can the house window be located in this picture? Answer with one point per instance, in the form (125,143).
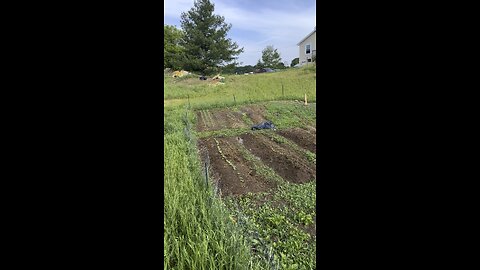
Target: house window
(307,49)
(309,60)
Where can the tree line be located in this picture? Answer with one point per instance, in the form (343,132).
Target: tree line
(201,45)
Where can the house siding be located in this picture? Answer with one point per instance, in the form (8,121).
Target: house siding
(312,40)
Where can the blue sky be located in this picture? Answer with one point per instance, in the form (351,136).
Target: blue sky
(256,24)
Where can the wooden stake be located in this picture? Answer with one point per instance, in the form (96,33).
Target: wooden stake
(306,99)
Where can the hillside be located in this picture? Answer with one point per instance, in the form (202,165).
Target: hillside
(237,198)
(246,88)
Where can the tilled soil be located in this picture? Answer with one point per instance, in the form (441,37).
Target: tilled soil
(311,129)
(232,181)
(209,120)
(281,158)
(310,229)
(301,137)
(255,112)
(237,175)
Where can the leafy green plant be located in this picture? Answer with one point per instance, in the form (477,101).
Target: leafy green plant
(311,156)
(277,229)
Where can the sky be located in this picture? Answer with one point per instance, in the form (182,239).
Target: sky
(257,24)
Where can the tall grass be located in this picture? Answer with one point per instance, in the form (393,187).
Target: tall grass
(198,232)
(246,89)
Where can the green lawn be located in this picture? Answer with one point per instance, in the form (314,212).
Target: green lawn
(246,89)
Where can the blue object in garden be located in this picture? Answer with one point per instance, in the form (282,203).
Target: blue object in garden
(264,125)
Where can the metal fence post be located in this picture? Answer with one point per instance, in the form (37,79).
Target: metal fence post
(206,174)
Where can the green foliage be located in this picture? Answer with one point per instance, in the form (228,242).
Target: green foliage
(294,62)
(172,50)
(280,223)
(198,231)
(260,64)
(281,65)
(294,114)
(230,68)
(206,44)
(245,69)
(271,57)
(311,156)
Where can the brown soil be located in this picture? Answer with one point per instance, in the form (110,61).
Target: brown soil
(209,120)
(231,182)
(311,129)
(310,229)
(301,137)
(283,160)
(255,113)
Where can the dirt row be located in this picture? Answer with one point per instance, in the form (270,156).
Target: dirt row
(233,161)
(225,118)
(232,172)
(235,175)
(221,119)
(305,138)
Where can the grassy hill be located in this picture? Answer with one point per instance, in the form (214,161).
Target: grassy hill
(246,88)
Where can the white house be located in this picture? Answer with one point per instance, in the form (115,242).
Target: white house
(307,47)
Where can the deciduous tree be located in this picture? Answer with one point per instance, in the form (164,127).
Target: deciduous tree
(295,61)
(270,57)
(172,50)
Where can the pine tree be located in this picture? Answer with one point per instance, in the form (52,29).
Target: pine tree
(205,42)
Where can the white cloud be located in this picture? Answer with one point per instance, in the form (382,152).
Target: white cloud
(271,23)
(281,28)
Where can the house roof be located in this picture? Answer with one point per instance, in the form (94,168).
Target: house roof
(311,33)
